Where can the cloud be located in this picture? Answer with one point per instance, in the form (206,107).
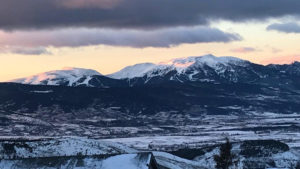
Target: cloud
(142,14)
(167,37)
(285,27)
(244,50)
(105,4)
(25,50)
(30,51)
(275,50)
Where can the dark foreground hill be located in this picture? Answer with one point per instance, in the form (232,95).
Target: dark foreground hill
(59,110)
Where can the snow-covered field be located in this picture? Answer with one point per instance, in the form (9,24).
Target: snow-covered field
(214,129)
(76,152)
(156,132)
(188,133)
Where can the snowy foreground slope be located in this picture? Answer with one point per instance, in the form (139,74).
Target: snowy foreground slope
(84,153)
(123,161)
(50,147)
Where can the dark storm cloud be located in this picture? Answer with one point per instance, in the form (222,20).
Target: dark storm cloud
(285,27)
(25,50)
(130,38)
(20,14)
(30,51)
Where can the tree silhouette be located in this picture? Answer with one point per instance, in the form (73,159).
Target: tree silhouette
(298,165)
(225,159)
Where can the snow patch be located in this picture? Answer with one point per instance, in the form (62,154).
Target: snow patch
(45,91)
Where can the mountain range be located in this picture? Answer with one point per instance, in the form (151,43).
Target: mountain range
(190,86)
(207,69)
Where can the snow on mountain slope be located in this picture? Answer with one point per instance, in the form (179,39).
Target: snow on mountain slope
(138,70)
(66,76)
(202,68)
(181,65)
(209,60)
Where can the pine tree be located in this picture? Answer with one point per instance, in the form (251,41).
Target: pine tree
(225,159)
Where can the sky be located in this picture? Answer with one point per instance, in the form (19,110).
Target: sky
(108,35)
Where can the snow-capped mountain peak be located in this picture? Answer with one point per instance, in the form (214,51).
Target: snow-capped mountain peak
(181,65)
(79,71)
(209,60)
(138,70)
(67,76)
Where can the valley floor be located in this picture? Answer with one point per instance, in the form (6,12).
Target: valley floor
(215,128)
(179,130)
(189,135)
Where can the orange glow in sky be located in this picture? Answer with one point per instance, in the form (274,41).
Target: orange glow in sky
(266,47)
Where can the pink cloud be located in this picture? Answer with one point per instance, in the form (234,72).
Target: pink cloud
(243,50)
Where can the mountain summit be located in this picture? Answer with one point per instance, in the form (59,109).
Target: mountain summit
(207,68)
(181,65)
(67,76)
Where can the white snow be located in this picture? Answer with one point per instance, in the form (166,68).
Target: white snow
(209,60)
(138,70)
(68,74)
(70,146)
(174,162)
(125,161)
(180,65)
(44,91)
(285,159)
